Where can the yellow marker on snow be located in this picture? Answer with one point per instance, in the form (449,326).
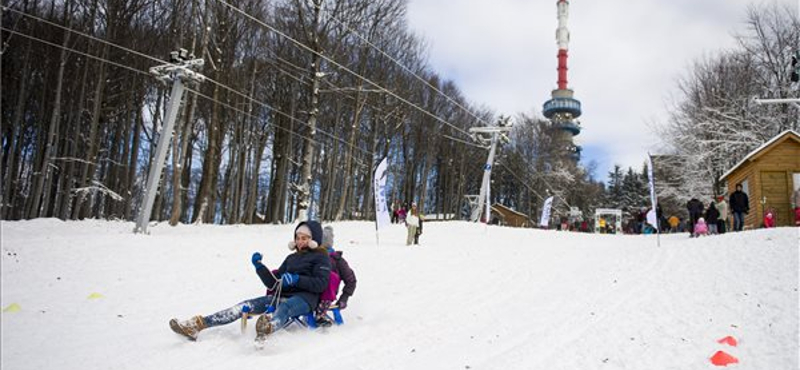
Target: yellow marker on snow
(12,308)
(95,296)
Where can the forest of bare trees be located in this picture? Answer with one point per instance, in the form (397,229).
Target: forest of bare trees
(302,99)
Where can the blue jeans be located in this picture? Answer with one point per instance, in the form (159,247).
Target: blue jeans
(287,308)
(738,221)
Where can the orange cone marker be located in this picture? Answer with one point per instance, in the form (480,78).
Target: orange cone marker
(729,340)
(723,359)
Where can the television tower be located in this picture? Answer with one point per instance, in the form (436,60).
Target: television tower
(562,109)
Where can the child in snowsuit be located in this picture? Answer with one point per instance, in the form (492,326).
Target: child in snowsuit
(700,228)
(769,219)
(340,266)
(301,278)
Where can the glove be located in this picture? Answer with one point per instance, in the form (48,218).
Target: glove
(289,279)
(342,302)
(256,259)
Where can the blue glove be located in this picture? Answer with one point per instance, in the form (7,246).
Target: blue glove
(289,279)
(256,259)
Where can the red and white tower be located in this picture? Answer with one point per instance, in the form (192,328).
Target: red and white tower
(562,109)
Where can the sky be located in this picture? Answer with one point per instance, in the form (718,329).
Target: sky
(624,60)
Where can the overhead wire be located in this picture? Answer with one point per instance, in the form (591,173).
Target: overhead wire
(126,67)
(339,65)
(418,77)
(296,42)
(211,80)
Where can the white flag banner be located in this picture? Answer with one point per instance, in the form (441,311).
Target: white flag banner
(545,220)
(651,218)
(381,209)
(652,182)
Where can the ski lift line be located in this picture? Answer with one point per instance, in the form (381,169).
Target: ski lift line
(337,64)
(265,105)
(279,127)
(522,182)
(160,61)
(87,36)
(7,42)
(395,61)
(334,88)
(187,88)
(547,184)
(75,51)
(464,142)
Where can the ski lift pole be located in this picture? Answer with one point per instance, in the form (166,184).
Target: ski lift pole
(176,72)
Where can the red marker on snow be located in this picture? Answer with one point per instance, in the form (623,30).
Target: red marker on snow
(723,359)
(729,340)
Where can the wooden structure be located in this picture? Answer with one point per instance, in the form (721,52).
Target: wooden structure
(503,215)
(769,175)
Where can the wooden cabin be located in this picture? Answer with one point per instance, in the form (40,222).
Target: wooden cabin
(769,175)
(503,215)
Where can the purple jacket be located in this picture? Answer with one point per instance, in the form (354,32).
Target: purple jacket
(340,265)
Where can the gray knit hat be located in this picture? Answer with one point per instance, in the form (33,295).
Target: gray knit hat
(327,237)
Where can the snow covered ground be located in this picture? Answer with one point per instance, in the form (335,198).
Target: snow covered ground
(470,297)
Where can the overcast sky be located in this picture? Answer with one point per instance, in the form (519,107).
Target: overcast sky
(624,59)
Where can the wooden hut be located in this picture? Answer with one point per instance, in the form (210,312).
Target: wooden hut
(769,175)
(503,215)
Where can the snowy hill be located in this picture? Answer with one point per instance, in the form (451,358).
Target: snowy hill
(470,297)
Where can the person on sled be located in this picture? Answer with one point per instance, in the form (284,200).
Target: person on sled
(298,283)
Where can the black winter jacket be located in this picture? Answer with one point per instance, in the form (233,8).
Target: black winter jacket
(739,202)
(313,266)
(695,208)
(712,215)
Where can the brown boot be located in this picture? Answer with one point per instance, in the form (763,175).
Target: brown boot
(264,328)
(188,328)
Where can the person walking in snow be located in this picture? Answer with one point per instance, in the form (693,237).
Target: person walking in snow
(412,223)
(419,228)
(740,206)
(796,206)
(340,266)
(712,216)
(301,278)
(722,222)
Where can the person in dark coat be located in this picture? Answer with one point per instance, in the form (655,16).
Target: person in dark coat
(695,208)
(712,217)
(299,281)
(740,206)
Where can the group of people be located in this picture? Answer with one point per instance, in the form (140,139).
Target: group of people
(715,218)
(401,213)
(304,283)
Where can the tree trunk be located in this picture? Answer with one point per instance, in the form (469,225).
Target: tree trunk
(348,167)
(43,186)
(11,164)
(304,193)
(81,210)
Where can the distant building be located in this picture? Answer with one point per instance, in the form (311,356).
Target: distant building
(505,216)
(769,174)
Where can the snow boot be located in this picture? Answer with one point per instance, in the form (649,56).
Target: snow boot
(188,328)
(264,327)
